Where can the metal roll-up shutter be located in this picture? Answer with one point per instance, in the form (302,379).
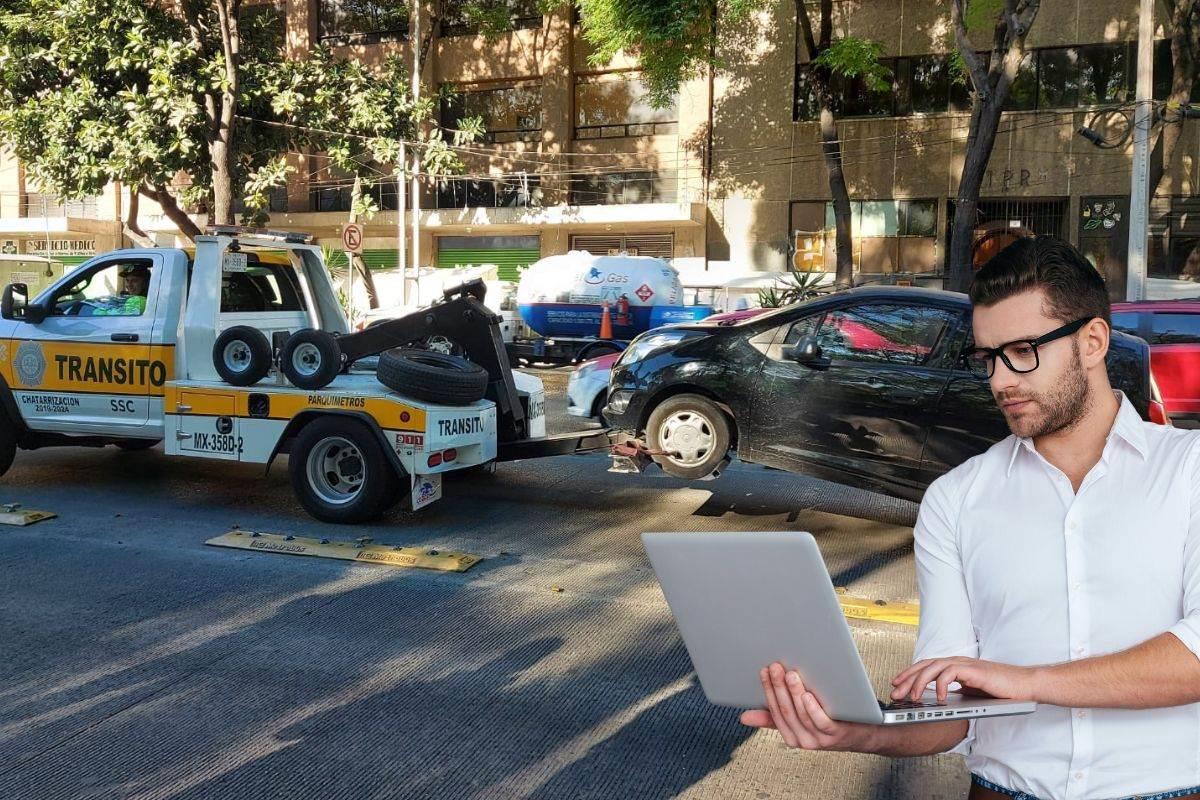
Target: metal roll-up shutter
(510,254)
(658,245)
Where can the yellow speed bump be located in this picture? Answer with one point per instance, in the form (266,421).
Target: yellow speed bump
(13,514)
(879,610)
(361,551)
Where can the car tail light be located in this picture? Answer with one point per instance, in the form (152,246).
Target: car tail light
(1158,413)
(435,460)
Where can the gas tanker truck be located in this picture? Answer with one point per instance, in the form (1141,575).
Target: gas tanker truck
(561,299)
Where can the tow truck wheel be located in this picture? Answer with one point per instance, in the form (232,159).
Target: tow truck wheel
(311,358)
(340,473)
(692,434)
(242,355)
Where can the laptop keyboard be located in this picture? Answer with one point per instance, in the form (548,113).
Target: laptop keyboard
(903,704)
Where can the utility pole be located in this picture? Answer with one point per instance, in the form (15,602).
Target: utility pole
(414,36)
(1139,190)
(401,247)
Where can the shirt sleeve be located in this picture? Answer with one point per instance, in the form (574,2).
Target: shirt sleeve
(1187,630)
(945,627)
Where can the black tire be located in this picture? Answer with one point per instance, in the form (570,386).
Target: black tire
(311,358)
(700,440)
(432,377)
(340,473)
(596,351)
(242,355)
(136,445)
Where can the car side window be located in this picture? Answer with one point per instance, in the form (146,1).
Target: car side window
(1173,328)
(114,289)
(1125,322)
(884,334)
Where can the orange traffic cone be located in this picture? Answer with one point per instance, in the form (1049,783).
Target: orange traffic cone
(606,323)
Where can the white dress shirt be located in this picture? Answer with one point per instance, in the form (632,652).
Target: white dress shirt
(1015,567)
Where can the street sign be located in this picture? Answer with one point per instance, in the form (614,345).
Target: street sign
(352,238)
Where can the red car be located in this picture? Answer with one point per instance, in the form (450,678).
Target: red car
(1172,329)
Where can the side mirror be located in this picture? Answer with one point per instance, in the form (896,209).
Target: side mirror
(14,302)
(807,352)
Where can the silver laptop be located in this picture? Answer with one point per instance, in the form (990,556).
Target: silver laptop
(745,600)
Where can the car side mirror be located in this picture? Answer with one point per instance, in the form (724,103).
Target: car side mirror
(15,301)
(807,352)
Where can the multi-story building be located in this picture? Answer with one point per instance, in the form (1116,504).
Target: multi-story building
(729,179)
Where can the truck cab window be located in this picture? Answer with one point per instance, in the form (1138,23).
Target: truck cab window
(114,289)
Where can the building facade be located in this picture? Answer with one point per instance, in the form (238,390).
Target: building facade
(729,180)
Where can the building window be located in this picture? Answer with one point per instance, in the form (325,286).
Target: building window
(509,113)
(361,21)
(616,104)
(889,235)
(277,201)
(510,191)
(38,204)
(463,19)
(1175,240)
(619,188)
(1048,78)
(1163,70)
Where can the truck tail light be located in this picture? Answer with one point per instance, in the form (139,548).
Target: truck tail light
(449,455)
(435,460)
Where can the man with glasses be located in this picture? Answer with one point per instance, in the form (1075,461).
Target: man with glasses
(1060,566)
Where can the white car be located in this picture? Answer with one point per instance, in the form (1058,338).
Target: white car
(587,388)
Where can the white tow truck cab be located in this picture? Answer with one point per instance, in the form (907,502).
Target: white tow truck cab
(124,351)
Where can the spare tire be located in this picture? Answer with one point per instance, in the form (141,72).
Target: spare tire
(432,377)
(242,355)
(311,358)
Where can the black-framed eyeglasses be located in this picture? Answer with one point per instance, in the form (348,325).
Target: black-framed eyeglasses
(1020,355)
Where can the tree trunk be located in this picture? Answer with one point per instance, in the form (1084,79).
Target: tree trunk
(980,140)
(132,228)
(220,145)
(1185,41)
(171,210)
(356,261)
(831,147)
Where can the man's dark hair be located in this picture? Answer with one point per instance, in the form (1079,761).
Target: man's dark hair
(1073,287)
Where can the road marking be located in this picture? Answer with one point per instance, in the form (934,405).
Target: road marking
(13,514)
(878,610)
(383,555)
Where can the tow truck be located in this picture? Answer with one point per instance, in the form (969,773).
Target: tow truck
(241,352)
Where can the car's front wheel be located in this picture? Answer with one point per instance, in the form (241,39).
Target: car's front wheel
(688,435)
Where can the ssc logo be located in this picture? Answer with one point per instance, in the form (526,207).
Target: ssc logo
(224,425)
(30,364)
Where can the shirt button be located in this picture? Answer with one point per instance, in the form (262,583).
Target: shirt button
(1078,650)
(1078,776)
(1072,525)
(1081,714)
(1075,585)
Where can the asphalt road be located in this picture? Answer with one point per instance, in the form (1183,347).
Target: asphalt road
(135,662)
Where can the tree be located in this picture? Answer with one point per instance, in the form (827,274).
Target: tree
(991,77)
(1184,31)
(96,91)
(676,39)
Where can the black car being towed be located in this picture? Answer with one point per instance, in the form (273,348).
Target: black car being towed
(865,387)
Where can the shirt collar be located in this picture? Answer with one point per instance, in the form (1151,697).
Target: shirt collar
(1128,427)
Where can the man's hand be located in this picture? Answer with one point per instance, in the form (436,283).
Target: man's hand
(977,677)
(798,716)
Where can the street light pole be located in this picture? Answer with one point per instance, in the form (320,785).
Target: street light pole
(1139,190)
(401,248)
(415,39)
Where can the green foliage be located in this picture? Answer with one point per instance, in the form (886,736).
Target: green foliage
(854,57)
(797,286)
(95,91)
(982,15)
(672,39)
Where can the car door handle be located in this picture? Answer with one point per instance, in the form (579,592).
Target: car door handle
(124,337)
